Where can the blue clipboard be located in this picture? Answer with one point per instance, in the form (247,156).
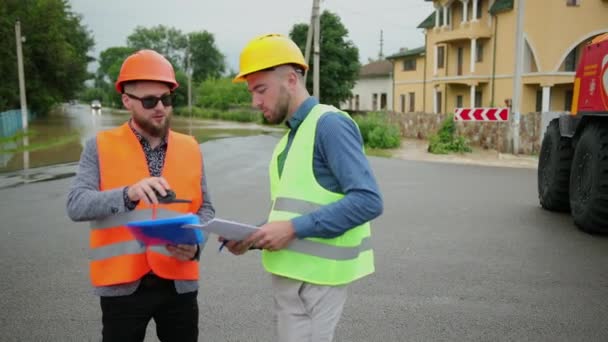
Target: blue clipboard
(167,231)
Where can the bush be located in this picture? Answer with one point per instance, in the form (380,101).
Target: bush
(446,140)
(377,131)
(222,94)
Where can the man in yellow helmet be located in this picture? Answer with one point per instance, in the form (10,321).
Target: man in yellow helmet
(323,192)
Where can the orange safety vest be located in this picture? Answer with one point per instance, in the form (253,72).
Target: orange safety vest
(116,257)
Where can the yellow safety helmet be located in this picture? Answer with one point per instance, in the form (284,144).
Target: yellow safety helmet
(268,51)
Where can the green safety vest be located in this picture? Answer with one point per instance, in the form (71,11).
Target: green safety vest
(334,261)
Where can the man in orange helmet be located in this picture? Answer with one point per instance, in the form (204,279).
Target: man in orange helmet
(121,172)
(323,192)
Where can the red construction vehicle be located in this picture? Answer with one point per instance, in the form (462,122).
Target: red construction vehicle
(573,162)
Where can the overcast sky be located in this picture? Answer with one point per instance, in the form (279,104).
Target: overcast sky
(235,22)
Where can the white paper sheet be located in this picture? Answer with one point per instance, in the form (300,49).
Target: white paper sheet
(229,230)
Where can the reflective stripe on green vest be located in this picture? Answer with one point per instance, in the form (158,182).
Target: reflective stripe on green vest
(335,261)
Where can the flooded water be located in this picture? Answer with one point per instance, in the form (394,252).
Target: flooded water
(60,137)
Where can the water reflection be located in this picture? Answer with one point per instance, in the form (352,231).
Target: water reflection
(71,126)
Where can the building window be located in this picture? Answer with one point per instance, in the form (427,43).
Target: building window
(402,97)
(478,99)
(409,64)
(573,2)
(459,101)
(440,56)
(356,102)
(571,60)
(568,101)
(350,103)
(439,96)
(412,102)
(539,101)
(479,51)
(374,101)
(479,11)
(383,101)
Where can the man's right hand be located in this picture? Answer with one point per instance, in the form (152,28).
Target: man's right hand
(144,190)
(236,247)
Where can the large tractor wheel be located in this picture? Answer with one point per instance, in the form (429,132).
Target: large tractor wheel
(589,179)
(554,169)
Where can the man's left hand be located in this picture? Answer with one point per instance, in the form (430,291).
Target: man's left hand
(272,236)
(182,252)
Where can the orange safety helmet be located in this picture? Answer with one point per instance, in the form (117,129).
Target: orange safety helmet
(268,51)
(146,65)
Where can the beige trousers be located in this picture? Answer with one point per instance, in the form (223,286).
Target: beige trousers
(306,312)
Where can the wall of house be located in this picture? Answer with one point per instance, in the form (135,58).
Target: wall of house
(562,28)
(406,81)
(559,95)
(365,88)
(401,75)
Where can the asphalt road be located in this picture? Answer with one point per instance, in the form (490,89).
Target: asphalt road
(463,253)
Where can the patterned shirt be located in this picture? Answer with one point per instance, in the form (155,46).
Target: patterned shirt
(155,157)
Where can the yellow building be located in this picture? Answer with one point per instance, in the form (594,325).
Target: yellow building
(469,55)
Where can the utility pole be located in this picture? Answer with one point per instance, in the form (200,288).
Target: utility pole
(517,81)
(381,54)
(189,74)
(309,40)
(24,117)
(316,49)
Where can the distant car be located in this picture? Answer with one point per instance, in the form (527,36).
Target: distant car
(95,104)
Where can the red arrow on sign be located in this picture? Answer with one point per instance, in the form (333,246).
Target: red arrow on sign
(481,114)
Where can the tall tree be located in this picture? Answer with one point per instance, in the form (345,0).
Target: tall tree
(55,52)
(168,41)
(339,61)
(207,60)
(110,61)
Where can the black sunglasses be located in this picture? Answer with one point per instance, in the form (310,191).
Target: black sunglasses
(149,102)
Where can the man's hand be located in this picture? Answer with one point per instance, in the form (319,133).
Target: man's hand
(272,236)
(182,252)
(144,189)
(235,247)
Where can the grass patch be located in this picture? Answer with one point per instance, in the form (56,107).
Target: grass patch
(18,136)
(238,115)
(379,152)
(40,145)
(446,141)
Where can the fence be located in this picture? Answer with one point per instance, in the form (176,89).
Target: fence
(489,135)
(10,122)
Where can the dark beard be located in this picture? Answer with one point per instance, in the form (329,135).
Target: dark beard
(282,108)
(151,130)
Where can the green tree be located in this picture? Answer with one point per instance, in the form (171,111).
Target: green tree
(221,93)
(207,61)
(181,93)
(55,53)
(110,61)
(168,41)
(90,94)
(339,61)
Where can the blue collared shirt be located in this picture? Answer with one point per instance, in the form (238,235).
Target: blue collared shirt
(339,165)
